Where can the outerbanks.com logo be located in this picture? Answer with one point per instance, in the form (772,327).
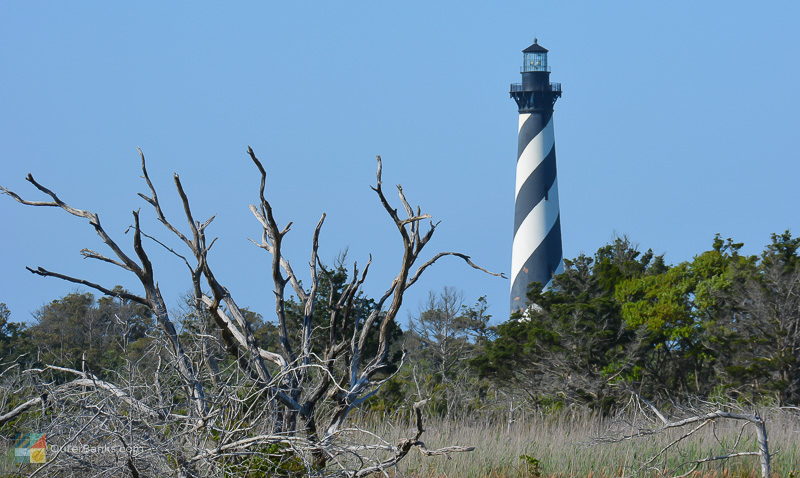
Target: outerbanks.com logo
(33,448)
(30,448)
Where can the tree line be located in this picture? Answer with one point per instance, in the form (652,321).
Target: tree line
(722,325)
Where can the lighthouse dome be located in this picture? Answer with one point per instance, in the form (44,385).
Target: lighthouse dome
(535,48)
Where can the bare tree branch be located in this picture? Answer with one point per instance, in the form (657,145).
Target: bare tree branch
(110,292)
(438,256)
(703,419)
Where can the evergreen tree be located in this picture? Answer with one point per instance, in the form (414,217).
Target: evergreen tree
(79,331)
(14,338)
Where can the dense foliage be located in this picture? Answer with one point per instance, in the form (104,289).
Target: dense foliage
(720,324)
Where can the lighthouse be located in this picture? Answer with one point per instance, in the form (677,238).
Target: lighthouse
(536,252)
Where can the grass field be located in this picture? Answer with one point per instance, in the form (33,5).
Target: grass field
(562,446)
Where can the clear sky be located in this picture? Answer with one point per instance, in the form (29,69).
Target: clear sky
(679,120)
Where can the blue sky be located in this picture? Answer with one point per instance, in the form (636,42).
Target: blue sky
(678,121)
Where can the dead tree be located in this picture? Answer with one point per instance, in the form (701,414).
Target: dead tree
(695,421)
(297,397)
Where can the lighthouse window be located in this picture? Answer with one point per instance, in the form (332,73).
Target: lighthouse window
(535,62)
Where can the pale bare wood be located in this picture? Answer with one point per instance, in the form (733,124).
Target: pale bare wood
(291,382)
(703,419)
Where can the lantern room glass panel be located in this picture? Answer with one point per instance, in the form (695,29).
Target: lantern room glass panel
(536,61)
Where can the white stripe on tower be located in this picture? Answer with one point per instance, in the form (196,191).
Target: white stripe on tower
(522,118)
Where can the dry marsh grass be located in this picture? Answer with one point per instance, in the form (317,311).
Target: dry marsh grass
(563,445)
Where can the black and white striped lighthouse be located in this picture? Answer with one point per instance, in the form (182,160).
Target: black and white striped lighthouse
(536,252)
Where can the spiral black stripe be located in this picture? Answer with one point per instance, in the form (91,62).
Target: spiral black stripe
(535,188)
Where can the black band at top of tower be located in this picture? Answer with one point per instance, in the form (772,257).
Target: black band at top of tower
(537,94)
